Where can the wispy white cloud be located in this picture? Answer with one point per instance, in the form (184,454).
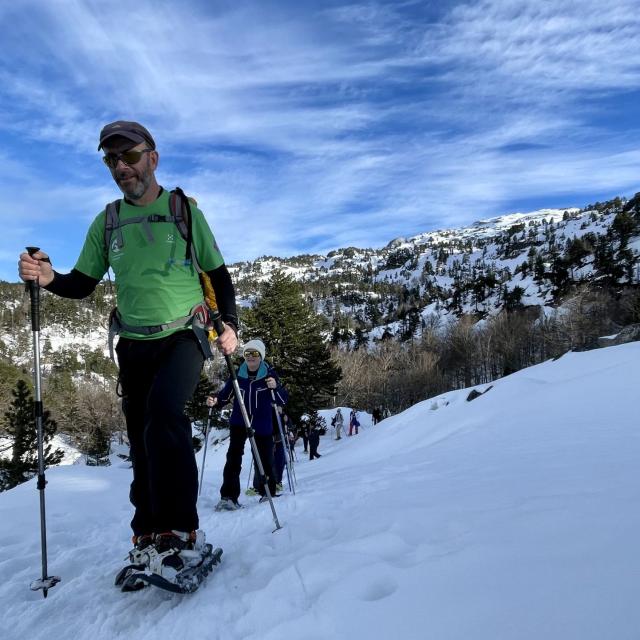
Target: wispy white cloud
(560,46)
(306,127)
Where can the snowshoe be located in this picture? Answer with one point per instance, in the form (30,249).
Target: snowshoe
(187,579)
(124,574)
(138,559)
(227,504)
(139,553)
(160,553)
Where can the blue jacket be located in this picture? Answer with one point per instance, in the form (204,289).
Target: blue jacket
(256,396)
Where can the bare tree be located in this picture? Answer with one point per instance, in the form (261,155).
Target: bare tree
(98,416)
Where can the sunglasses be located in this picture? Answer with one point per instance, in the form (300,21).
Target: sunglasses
(128,157)
(251,353)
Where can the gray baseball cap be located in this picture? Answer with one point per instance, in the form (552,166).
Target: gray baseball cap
(133,131)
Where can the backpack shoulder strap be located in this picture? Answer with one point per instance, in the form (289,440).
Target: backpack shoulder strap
(181,216)
(180,207)
(111,224)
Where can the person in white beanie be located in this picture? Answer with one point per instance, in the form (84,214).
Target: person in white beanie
(257,379)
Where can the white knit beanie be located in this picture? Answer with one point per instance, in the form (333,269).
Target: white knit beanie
(256,344)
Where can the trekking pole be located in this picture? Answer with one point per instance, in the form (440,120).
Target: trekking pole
(286,464)
(250,473)
(293,466)
(284,446)
(292,452)
(216,320)
(46,582)
(204,455)
(286,460)
(291,459)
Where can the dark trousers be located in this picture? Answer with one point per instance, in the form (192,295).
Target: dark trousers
(313,447)
(157,378)
(231,474)
(278,461)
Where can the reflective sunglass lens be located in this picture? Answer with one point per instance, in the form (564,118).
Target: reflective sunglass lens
(128,157)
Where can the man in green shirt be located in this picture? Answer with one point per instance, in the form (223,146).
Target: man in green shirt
(159,354)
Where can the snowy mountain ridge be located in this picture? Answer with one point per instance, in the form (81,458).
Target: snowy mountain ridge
(536,260)
(480,230)
(522,259)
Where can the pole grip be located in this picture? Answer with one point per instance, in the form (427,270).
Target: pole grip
(218,325)
(34,294)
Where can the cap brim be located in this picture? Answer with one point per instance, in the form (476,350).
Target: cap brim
(134,137)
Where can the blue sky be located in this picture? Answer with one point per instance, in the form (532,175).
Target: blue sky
(301,127)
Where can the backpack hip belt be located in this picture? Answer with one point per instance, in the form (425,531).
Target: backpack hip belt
(198,320)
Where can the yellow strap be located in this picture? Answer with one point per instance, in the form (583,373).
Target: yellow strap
(210,299)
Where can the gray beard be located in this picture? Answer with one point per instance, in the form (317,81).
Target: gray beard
(140,189)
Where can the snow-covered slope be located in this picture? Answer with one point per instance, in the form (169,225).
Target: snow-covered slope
(515,516)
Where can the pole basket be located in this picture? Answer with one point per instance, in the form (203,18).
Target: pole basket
(45,584)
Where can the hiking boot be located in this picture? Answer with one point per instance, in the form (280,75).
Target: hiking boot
(175,551)
(176,540)
(140,552)
(251,492)
(227,504)
(273,495)
(279,486)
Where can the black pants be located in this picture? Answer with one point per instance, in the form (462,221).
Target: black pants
(231,475)
(157,379)
(313,447)
(279,461)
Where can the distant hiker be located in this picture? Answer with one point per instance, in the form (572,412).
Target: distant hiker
(338,422)
(376,415)
(291,430)
(354,423)
(255,377)
(303,432)
(160,317)
(314,441)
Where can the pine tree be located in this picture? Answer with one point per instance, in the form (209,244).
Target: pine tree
(196,407)
(315,420)
(360,339)
(197,410)
(98,447)
(292,333)
(9,373)
(19,424)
